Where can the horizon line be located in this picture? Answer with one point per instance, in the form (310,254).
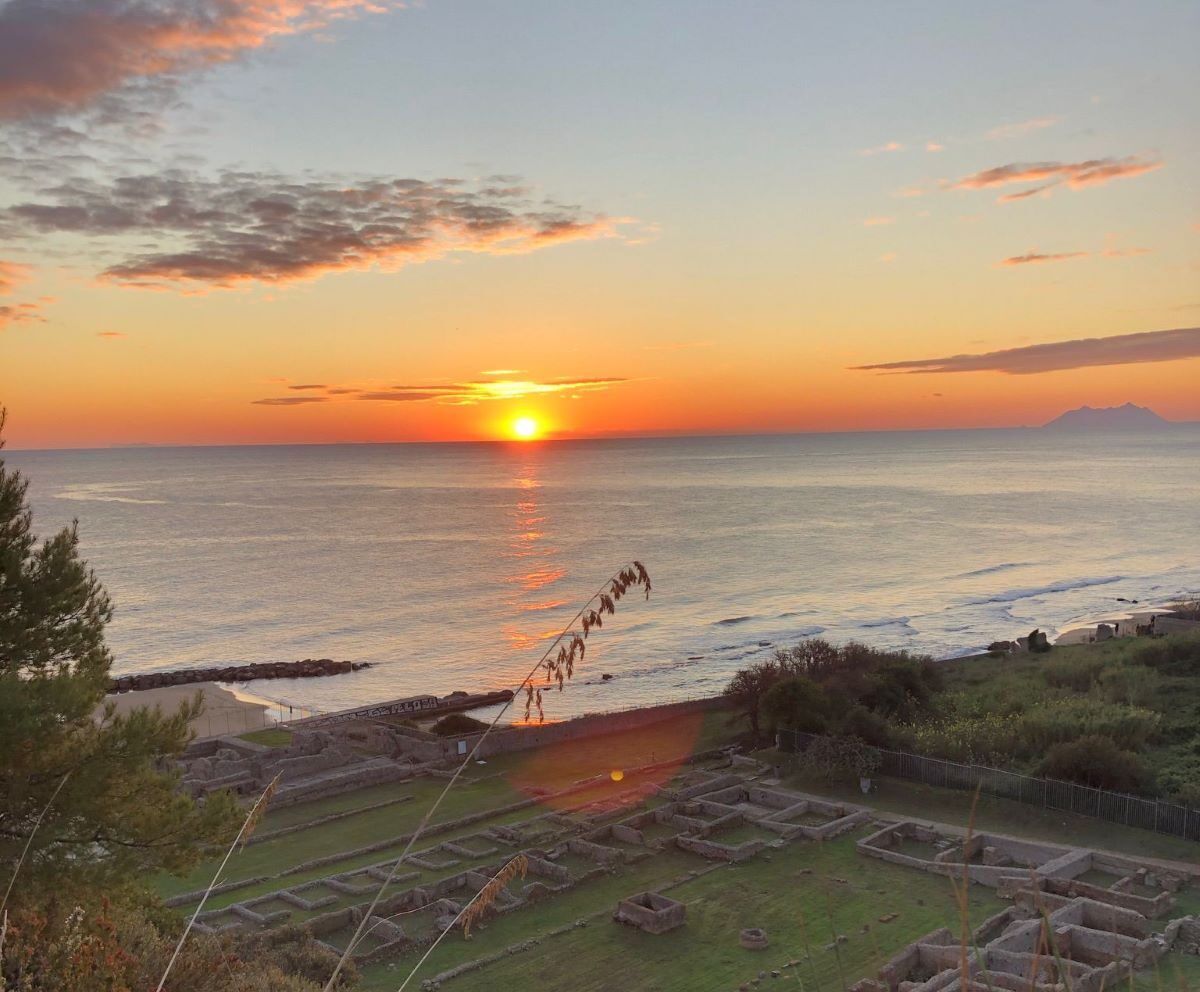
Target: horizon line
(614,436)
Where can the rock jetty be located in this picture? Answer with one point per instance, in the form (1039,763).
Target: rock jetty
(309,668)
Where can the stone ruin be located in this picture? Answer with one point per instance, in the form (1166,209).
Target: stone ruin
(314,764)
(651,912)
(1066,929)
(1010,863)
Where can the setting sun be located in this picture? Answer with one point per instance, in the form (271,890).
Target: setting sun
(525,428)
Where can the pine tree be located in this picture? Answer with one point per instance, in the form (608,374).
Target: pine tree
(90,787)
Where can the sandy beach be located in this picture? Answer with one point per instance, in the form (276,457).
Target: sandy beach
(225,712)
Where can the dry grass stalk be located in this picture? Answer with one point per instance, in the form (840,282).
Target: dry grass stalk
(489,893)
(253,818)
(475,909)
(558,664)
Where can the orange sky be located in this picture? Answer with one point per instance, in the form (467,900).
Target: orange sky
(713,237)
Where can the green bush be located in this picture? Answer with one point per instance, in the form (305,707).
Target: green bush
(989,739)
(1128,727)
(1133,685)
(858,721)
(796,703)
(1076,673)
(841,757)
(458,724)
(1098,762)
(1178,655)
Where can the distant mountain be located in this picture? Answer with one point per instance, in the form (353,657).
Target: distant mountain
(1110,418)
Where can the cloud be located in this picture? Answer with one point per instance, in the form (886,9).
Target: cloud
(12,274)
(455,393)
(111,335)
(290,400)
(315,385)
(1120,349)
(1037,258)
(1005,131)
(243,227)
(1075,175)
(891,146)
(65,55)
(888,257)
(878,221)
(933,146)
(1125,252)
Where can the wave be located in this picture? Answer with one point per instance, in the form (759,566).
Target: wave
(730,621)
(885,622)
(1067,585)
(993,569)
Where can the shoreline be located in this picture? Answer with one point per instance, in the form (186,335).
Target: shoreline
(225,711)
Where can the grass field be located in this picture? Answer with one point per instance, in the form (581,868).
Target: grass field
(804,895)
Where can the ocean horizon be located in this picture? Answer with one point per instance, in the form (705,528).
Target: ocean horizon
(447,565)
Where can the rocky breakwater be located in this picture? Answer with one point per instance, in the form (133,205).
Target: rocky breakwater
(309,668)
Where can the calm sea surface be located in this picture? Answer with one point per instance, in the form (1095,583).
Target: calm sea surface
(447,565)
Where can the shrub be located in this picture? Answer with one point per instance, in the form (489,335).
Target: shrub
(457,724)
(902,687)
(1129,684)
(797,703)
(841,757)
(1128,727)
(1177,655)
(1077,673)
(989,739)
(1098,762)
(858,721)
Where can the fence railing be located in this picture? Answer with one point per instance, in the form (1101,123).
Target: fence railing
(1115,807)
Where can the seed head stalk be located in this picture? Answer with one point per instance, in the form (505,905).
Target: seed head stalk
(558,669)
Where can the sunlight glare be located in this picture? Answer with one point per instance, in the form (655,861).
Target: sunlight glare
(525,428)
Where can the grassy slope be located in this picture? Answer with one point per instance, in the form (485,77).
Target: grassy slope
(1019,678)
(803,896)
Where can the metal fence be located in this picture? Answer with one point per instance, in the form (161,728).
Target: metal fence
(1115,807)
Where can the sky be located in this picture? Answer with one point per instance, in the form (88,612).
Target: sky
(261,221)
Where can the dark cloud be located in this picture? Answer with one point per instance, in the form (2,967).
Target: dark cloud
(1037,258)
(1120,349)
(1075,175)
(290,400)
(265,227)
(402,397)
(310,385)
(65,55)
(469,393)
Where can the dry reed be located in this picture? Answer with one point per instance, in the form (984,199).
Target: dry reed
(253,818)
(558,666)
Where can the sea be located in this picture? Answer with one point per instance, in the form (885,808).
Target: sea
(452,566)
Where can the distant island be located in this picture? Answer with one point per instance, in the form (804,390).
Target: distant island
(1124,418)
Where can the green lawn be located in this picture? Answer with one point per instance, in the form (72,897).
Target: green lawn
(803,895)
(270,737)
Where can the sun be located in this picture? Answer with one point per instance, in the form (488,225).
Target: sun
(525,428)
